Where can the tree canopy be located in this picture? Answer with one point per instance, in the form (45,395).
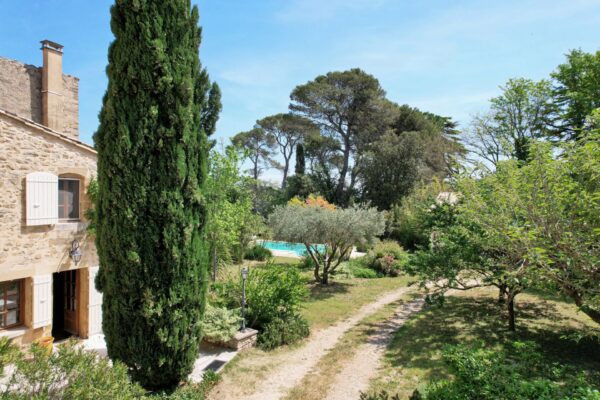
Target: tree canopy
(259,148)
(288,131)
(328,233)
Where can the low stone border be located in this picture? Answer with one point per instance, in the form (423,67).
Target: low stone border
(241,340)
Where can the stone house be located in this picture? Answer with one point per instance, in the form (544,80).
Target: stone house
(48,262)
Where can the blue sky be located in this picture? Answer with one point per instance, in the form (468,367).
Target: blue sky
(447,57)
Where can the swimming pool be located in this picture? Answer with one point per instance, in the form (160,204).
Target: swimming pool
(286,248)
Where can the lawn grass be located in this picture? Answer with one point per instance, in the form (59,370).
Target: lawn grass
(341,298)
(414,356)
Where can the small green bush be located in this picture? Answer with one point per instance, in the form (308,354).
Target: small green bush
(516,373)
(360,268)
(273,292)
(258,253)
(389,248)
(69,373)
(281,331)
(220,324)
(388,258)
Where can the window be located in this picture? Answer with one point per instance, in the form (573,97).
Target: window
(68,198)
(10,303)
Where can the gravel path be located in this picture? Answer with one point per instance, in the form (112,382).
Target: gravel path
(300,362)
(356,374)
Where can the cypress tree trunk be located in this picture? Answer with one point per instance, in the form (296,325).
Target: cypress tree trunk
(152,155)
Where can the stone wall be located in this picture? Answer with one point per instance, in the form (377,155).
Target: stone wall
(21,93)
(27,251)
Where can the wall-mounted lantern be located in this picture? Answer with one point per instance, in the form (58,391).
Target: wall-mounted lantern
(75,252)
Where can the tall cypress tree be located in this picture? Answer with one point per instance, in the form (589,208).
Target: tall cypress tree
(300,162)
(152,162)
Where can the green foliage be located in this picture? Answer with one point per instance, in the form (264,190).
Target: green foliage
(392,167)
(407,221)
(418,147)
(387,258)
(152,165)
(349,106)
(91,214)
(575,94)
(517,374)
(360,268)
(258,253)
(281,331)
(220,324)
(231,221)
(69,373)
(273,291)
(338,230)
(513,232)
(516,118)
(300,168)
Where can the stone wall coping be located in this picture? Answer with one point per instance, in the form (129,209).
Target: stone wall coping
(241,335)
(49,131)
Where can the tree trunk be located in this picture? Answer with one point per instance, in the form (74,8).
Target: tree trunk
(511,313)
(286,167)
(339,191)
(502,294)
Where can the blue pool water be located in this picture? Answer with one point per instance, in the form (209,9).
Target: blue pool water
(297,248)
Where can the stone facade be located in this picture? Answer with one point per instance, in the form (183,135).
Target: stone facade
(32,250)
(32,256)
(29,251)
(21,93)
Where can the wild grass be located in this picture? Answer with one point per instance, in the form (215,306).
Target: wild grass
(414,356)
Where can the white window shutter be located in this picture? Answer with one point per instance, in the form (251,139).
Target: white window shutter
(42,300)
(41,198)
(95,304)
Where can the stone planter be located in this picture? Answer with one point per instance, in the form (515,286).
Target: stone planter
(241,340)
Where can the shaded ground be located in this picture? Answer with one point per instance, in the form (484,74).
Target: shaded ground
(414,356)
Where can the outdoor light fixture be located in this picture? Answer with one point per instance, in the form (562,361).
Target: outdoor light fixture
(75,252)
(244,277)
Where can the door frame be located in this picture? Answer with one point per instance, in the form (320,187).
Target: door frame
(60,296)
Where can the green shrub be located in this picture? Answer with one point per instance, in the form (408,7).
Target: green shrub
(258,253)
(388,248)
(281,331)
(69,373)
(273,292)
(388,258)
(360,268)
(518,373)
(220,324)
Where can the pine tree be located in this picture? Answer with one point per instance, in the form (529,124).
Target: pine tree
(300,162)
(152,162)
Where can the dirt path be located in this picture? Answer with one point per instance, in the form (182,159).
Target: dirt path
(298,363)
(357,373)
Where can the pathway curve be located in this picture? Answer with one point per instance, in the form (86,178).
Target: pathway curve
(299,362)
(356,374)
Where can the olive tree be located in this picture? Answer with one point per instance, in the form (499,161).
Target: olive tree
(328,233)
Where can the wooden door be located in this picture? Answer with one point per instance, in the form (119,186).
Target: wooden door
(70,303)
